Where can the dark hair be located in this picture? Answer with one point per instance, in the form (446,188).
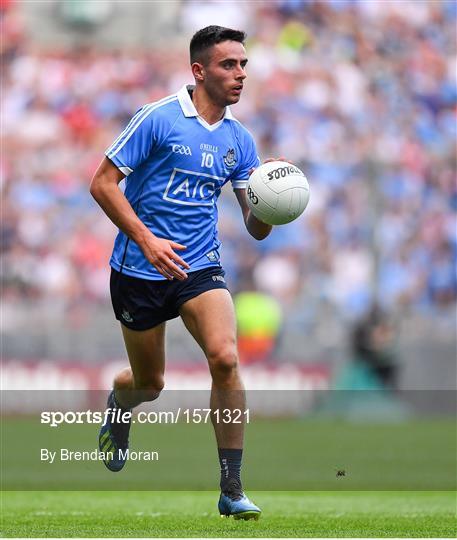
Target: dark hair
(207,37)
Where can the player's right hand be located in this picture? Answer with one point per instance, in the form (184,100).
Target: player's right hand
(160,253)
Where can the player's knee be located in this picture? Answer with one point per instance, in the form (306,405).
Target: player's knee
(223,362)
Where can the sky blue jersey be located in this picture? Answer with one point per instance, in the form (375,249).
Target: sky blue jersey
(176,165)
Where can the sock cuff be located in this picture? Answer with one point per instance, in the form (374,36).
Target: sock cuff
(230,453)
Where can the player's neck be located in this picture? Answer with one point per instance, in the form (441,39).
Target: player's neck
(208,110)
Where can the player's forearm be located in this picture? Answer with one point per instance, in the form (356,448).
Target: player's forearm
(257,229)
(118,209)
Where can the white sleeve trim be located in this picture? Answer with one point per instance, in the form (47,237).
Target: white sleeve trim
(125,170)
(135,123)
(239,184)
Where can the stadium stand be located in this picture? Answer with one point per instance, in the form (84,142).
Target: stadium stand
(361,95)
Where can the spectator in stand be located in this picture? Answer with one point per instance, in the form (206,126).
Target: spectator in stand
(373,340)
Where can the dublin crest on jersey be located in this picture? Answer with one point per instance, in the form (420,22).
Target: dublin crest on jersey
(229,158)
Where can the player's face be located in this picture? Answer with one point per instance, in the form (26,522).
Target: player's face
(225,72)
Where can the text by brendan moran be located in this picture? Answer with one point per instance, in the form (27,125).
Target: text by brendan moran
(65,454)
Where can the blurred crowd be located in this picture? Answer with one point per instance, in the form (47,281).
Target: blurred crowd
(360,94)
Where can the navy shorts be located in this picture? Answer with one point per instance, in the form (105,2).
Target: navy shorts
(140,304)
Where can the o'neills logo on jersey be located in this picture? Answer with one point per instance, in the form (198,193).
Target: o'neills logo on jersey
(192,188)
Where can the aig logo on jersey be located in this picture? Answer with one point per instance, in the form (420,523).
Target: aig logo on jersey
(181,149)
(192,188)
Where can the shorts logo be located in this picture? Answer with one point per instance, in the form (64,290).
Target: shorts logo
(218,278)
(126,316)
(192,188)
(229,158)
(181,149)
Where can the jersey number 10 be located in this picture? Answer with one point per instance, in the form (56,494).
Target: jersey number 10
(207,160)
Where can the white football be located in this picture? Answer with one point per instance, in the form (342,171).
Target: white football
(277,192)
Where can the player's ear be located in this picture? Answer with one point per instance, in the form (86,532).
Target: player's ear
(198,71)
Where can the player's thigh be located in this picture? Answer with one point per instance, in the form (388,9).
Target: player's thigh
(146,352)
(210,318)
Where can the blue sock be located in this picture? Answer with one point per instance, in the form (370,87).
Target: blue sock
(230,461)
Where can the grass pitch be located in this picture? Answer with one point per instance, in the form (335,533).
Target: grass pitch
(399,481)
(281,455)
(194,514)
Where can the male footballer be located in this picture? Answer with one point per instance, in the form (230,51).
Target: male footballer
(176,155)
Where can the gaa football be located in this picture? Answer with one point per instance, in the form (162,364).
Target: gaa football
(277,192)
